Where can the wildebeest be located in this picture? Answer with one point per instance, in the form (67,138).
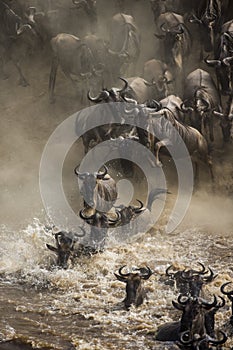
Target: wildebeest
(160,77)
(176,41)
(98,189)
(76,61)
(224,58)
(190,281)
(135,292)
(124,43)
(226,120)
(65,242)
(192,320)
(210,16)
(100,223)
(229,294)
(201,97)
(169,131)
(198,342)
(17,40)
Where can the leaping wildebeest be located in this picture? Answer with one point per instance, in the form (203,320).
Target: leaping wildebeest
(135,292)
(76,61)
(98,189)
(201,98)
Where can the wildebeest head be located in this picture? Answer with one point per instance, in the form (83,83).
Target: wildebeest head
(130,212)
(193,313)
(89,184)
(64,246)
(112,95)
(135,292)
(198,342)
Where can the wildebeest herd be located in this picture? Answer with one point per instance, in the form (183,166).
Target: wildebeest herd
(197,101)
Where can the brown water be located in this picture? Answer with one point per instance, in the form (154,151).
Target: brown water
(81,306)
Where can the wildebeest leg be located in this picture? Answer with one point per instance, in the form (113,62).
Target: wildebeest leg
(158,145)
(52,78)
(22,80)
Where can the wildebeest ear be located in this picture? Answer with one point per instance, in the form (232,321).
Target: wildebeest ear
(51,248)
(121,278)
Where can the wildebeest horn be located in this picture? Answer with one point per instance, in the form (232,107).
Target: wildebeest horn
(230,293)
(121,91)
(182,302)
(101,175)
(146,276)
(84,217)
(227,35)
(218,114)
(227,61)
(130,100)
(209,306)
(185,109)
(114,221)
(139,209)
(216,341)
(195,19)
(159,36)
(78,2)
(168,273)
(162,27)
(202,271)
(103,95)
(210,277)
(212,63)
(81,234)
(185,338)
(123,274)
(23,28)
(80,175)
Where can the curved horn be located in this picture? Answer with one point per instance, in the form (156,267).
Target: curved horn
(121,91)
(78,173)
(84,217)
(121,273)
(82,234)
(227,35)
(162,27)
(185,338)
(227,61)
(202,271)
(230,293)
(114,221)
(212,63)
(182,302)
(210,277)
(177,29)
(138,210)
(218,114)
(103,95)
(101,175)
(220,341)
(195,19)
(168,273)
(209,306)
(185,109)
(130,100)
(147,275)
